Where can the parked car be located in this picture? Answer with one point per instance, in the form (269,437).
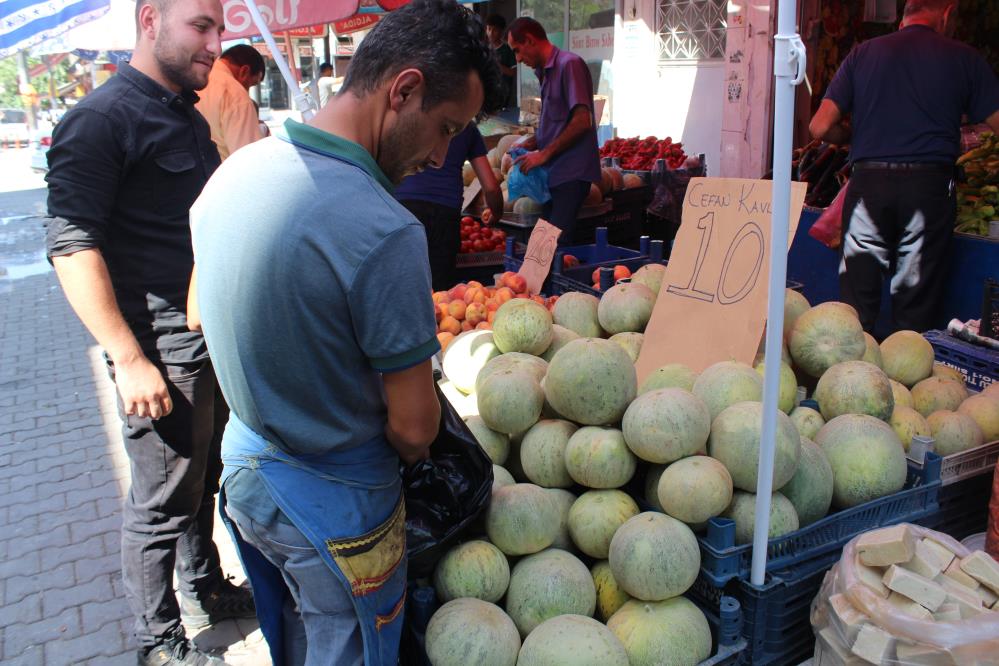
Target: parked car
(14,127)
(40,142)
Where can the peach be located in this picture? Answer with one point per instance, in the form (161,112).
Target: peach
(440,297)
(621,272)
(475,313)
(504,294)
(442,311)
(465,326)
(475,295)
(538,300)
(484,326)
(457,292)
(492,304)
(456,309)
(491,316)
(444,338)
(474,284)
(518,284)
(450,325)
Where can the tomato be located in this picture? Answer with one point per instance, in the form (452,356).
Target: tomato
(467,220)
(466,247)
(479,246)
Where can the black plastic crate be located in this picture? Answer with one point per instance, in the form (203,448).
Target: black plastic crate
(964,507)
(989,326)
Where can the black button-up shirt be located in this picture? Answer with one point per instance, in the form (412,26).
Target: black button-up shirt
(124,168)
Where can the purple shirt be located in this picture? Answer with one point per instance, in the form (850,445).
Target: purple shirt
(565,84)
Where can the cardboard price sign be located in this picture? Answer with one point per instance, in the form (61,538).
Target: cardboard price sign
(538,258)
(713,302)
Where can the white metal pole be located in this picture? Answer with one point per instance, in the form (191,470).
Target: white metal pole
(302,101)
(789,70)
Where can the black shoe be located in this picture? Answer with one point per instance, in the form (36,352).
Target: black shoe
(225,602)
(176,652)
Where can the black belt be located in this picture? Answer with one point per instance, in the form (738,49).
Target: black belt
(941,167)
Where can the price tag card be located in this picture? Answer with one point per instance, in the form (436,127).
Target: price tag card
(713,302)
(538,258)
(471,192)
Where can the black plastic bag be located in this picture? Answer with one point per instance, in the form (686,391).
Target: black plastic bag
(445,493)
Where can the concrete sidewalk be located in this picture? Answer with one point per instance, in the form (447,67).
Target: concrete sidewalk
(63,475)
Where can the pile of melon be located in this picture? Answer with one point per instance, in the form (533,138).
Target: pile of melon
(580,449)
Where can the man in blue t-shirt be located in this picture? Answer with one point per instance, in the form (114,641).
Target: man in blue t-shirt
(434,196)
(907,92)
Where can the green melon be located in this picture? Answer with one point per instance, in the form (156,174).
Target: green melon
(672,375)
(854,387)
(795,305)
(900,394)
(466,355)
(630,342)
(954,432)
(673,632)
(471,631)
(948,371)
(742,510)
(610,596)
(542,453)
(654,557)
(983,410)
(572,639)
(735,441)
(761,351)
(665,425)
(578,313)
(522,325)
(510,401)
(908,423)
(936,393)
(522,519)
(513,460)
(726,383)
(907,357)
(810,490)
(561,336)
(564,501)
(472,569)
(599,458)
(501,477)
(866,456)
(787,388)
(651,493)
(651,275)
(546,585)
(826,335)
(626,307)
(807,420)
(992,390)
(872,352)
(596,516)
(495,444)
(533,365)
(694,489)
(591,381)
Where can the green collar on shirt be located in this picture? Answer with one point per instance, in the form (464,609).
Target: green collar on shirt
(319,141)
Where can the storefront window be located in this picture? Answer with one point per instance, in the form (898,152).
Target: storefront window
(691,29)
(551,15)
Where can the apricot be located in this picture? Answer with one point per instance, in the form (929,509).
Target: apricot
(450,325)
(476,312)
(456,309)
(444,338)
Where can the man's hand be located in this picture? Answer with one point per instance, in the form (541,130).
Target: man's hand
(530,143)
(531,160)
(410,459)
(142,388)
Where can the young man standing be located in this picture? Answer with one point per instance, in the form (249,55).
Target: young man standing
(316,304)
(125,166)
(225,102)
(495,27)
(566,141)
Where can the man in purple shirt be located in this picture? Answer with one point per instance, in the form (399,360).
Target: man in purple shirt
(566,141)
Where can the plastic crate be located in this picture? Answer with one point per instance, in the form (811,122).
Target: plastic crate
(470,259)
(963,507)
(979,365)
(989,326)
(776,615)
(722,560)
(966,464)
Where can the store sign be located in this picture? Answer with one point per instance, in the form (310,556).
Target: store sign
(355,23)
(538,258)
(281,15)
(713,302)
(310,32)
(593,45)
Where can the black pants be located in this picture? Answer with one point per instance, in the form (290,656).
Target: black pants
(897,224)
(169,514)
(443,239)
(562,209)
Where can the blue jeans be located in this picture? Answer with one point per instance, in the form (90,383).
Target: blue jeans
(321,625)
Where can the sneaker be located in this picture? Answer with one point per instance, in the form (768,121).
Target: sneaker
(225,602)
(176,652)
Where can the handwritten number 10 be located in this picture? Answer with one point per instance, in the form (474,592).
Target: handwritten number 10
(751,233)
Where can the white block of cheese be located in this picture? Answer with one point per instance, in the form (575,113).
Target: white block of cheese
(955,573)
(830,651)
(846,617)
(980,566)
(887,546)
(909,607)
(987,596)
(871,577)
(873,644)
(921,590)
(924,655)
(941,553)
(948,612)
(927,562)
(969,605)
(956,589)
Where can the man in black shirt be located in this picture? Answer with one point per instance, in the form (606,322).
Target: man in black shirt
(495,27)
(124,168)
(907,92)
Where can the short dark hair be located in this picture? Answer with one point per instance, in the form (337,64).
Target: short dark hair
(324,67)
(244,54)
(524,26)
(442,39)
(913,7)
(496,21)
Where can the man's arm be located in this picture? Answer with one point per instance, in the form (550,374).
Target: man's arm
(193,312)
(414,414)
(490,186)
(240,124)
(87,284)
(580,122)
(827,124)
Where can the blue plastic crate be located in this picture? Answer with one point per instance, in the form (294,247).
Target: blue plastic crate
(722,560)
(979,365)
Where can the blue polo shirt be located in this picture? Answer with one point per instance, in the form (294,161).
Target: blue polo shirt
(565,84)
(312,281)
(907,92)
(444,186)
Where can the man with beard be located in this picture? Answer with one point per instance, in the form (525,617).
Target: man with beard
(124,168)
(316,306)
